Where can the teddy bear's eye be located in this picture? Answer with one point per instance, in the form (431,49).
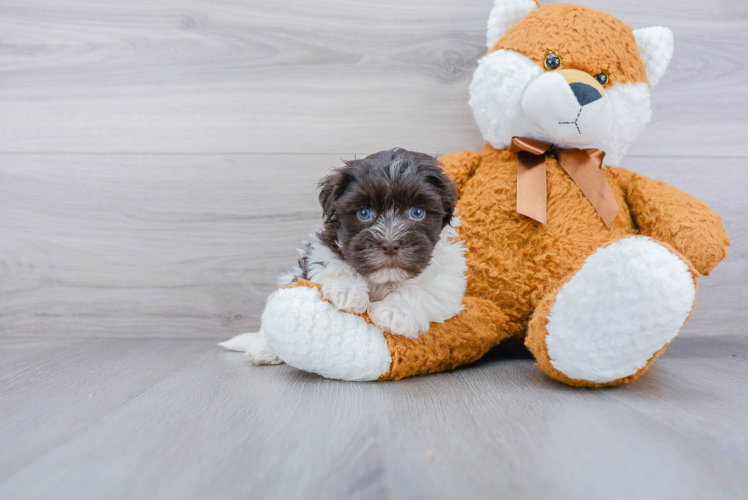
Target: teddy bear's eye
(552,61)
(602,78)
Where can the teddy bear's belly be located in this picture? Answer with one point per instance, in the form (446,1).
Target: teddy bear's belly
(515,261)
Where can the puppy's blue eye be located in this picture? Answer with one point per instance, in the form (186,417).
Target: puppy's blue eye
(364,213)
(417,213)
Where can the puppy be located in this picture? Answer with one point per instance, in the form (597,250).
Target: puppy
(387,247)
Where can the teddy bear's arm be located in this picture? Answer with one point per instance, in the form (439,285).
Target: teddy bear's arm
(461,167)
(667,214)
(458,341)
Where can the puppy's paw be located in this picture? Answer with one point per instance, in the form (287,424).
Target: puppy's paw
(260,353)
(397,318)
(351,297)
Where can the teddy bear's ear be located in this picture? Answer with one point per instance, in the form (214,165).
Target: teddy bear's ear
(656,45)
(504,14)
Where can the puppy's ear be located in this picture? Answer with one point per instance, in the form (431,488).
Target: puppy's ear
(449,199)
(331,188)
(327,196)
(447,192)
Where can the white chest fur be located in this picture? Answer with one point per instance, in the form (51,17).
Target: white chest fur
(402,307)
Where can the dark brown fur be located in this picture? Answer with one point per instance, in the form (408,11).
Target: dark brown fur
(390,183)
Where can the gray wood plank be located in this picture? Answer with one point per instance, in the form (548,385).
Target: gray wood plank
(221,428)
(523,435)
(63,389)
(712,371)
(176,440)
(332,76)
(190,245)
(127,244)
(24,353)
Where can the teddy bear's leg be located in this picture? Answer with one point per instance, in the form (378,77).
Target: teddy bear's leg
(615,315)
(310,333)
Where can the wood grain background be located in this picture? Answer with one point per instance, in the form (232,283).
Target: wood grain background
(158,159)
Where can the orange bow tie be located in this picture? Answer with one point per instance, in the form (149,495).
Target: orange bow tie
(582,165)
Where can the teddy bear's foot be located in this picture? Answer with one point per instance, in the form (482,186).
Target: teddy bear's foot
(311,334)
(609,322)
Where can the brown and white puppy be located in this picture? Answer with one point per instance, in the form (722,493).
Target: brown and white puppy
(387,247)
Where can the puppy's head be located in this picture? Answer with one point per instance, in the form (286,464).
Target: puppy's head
(384,213)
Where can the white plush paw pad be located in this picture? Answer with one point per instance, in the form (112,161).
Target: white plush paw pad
(313,335)
(626,303)
(352,297)
(396,318)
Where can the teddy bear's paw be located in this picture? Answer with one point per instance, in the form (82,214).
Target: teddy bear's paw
(397,318)
(347,294)
(626,303)
(313,335)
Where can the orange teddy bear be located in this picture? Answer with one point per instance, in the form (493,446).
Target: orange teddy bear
(593,266)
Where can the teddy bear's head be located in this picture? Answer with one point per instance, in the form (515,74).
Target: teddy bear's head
(568,75)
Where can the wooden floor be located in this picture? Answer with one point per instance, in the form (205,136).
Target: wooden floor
(158,164)
(180,418)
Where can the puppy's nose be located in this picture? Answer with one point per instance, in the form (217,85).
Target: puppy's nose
(390,247)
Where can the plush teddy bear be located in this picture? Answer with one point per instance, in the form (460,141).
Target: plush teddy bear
(592,265)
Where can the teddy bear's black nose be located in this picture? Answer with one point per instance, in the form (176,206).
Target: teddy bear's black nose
(584,93)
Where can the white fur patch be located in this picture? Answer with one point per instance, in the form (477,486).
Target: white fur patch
(313,335)
(409,307)
(496,94)
(388,275)
(324,263)
(496,97)
(627,301)
(254,346)
(632,111)
(396,303)
(238,343)
(348,293)
(656,45)
(504,15)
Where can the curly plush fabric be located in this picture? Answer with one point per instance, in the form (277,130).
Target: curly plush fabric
(566,30)
(460,341)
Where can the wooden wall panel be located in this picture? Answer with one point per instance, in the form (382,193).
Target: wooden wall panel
(331,76)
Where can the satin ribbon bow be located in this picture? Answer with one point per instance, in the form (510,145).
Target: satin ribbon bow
(582,165)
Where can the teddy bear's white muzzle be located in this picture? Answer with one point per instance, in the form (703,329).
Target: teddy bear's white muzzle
(576,112)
